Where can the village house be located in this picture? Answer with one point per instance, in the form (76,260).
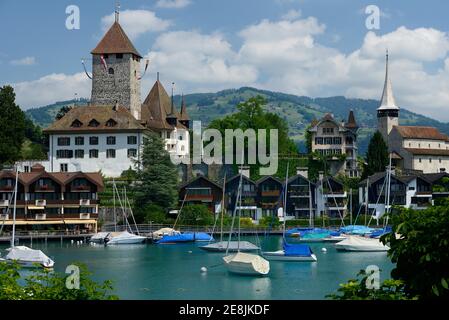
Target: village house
(45,200)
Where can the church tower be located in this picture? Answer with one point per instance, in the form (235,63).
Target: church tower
(116,71)
(388,112)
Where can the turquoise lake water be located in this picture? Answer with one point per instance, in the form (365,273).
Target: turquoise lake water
(151,271)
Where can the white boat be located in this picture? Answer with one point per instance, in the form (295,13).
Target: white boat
(124,238)
(281,256)
(27,257)
(157,235)
(234,246)
(247,264)
(361,244)
(241,263)
(99,237)
(293,252)
(334,239)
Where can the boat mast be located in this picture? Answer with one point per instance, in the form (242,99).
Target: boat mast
(311,222)
(222,208)
(285,200)
(13,239)
(114,212)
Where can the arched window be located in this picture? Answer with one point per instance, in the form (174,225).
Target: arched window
(111,71)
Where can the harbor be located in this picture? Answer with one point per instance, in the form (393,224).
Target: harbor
(150,271)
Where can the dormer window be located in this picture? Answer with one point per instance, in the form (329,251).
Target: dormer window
(111,123)
(94,123)
(76,124)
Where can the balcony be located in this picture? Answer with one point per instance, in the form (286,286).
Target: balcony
(81,188)
(337,194)
(4,203)
(199,197)
(84,202)
(40,216)
(84,216)
(45,188)
(40,203)
(6,188)
(298,194)
(4,217)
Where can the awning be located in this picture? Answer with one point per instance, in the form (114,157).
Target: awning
(49,222)
(35,208)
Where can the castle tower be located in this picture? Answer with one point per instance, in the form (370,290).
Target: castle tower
(388,112)
(116,71)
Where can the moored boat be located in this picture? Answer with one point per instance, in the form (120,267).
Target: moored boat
(29,258)
(247,264)
(233,246)
(361,244)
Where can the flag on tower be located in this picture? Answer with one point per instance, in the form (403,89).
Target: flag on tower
(103,62)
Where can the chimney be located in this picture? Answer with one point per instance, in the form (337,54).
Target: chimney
(115,108)
(244,171)
(303,171)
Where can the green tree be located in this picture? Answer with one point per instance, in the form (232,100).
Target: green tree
(196,215)
(158,177)
(421,254)
(376,156)
(356,289)
(250,114)
(48,285)
(151,213)
(12,132)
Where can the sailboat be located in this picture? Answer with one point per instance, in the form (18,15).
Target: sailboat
(242,263)
(289,252)
(124,237)
(367,244)
(23,255)
(231,246)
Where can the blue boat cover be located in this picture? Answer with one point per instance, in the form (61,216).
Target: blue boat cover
(355,229)
(186,237)
(183,237)
(201,236)
(301,250)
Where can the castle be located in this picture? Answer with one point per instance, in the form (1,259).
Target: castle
(108,134)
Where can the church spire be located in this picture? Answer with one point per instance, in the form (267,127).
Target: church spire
(387,101)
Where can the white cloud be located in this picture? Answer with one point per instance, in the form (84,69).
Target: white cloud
(173,4)
(198,61)
(27,61)
(292,15)
(50,89)
(137,22)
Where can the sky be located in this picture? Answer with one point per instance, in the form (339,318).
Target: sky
(316,48)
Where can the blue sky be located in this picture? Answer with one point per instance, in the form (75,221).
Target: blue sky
(304,47)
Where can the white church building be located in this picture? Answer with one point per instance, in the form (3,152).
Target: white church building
(412,148)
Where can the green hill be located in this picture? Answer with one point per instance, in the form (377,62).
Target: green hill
(298,111)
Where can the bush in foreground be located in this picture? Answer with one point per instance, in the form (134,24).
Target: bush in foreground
(49,285)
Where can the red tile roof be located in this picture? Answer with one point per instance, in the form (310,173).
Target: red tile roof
(428,152)
(115,41)
(417,132)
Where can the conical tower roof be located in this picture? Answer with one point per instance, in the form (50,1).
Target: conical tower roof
(115,41)
(387,102)
(157,108)
(184,114)
(351,124)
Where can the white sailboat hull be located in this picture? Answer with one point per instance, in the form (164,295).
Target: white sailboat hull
(28,258)
(125,238)
(361,244)
(246,264)
(280,256)
(234,246)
